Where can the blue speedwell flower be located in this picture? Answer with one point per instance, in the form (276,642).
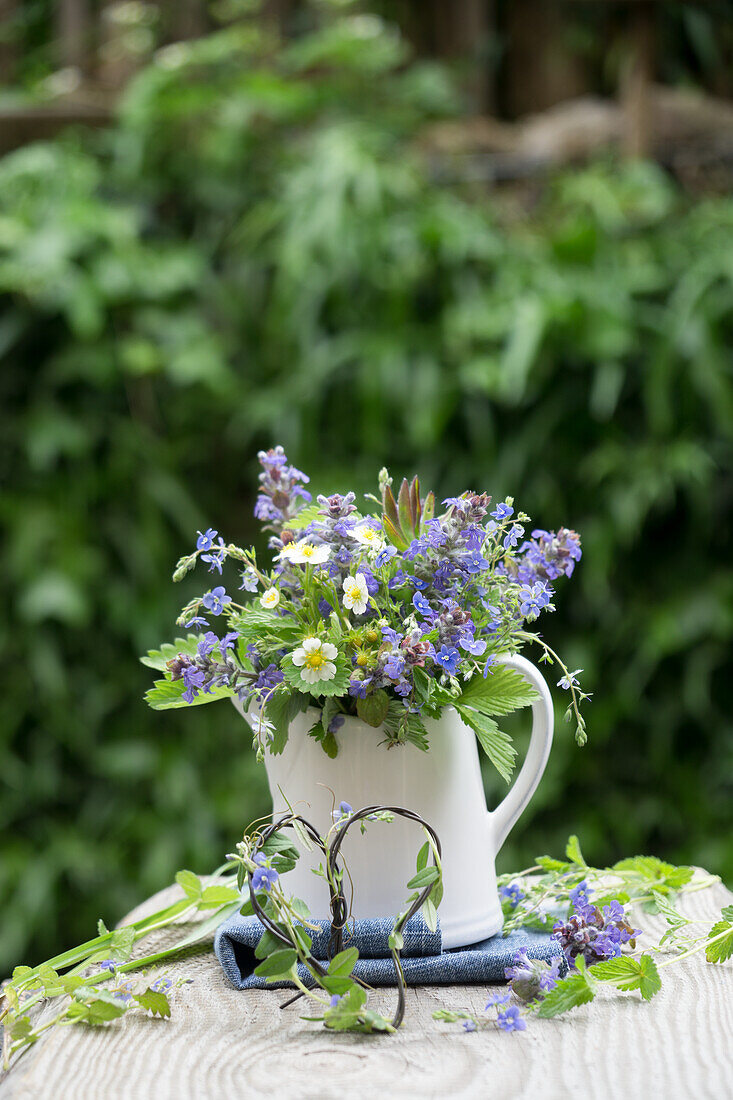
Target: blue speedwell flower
(448,658)
(513,535)
(512,893)
(264,878)
(510,1019)
(385,555)
(206,540)
(421,604)
(502,511)
(195,621)
(474,646)
(216,600)
(249,581)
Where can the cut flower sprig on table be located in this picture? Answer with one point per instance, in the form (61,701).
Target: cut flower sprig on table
(589,913)
(586,909)
(389,614)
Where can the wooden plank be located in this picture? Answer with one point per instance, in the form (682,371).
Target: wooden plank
(9,10)
(73,33)
(636,81)
(221,1044)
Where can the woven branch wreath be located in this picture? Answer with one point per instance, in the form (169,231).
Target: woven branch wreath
(337,900)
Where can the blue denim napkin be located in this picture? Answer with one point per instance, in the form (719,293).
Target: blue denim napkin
(423,960)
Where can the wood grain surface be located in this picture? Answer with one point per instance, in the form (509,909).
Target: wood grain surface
(221,1044)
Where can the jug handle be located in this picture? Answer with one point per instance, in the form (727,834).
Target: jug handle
(503,818)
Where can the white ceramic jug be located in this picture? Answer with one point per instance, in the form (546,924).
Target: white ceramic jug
(443,785)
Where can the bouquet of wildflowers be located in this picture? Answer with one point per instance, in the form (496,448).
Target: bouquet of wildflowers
(389,613)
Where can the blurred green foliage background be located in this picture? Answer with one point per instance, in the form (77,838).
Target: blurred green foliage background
(257,252)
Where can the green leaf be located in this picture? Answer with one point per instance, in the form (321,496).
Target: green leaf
(342,964)
(277,964)
(168,694)
(569,993)
(280,709)
(550,865)
(664,876)
(327,741)
(214,896)
(304,517)
(668,911)
(190,884)
(153,1001)
(267,944)
(373,709)
(501,692)
(423,878)
(727,912)
(20,1028)
(573,852)
(430,914)
(338,985)
(422,856)
(158,658)
(628,973)
(396,941)
(723,948)
(496,744)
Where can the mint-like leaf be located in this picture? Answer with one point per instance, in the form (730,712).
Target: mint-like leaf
(627,973)
(722,949)
(501,692)
(496,744)
(152,1000)
(569,993)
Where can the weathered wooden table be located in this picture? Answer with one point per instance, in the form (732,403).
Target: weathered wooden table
(221,1044)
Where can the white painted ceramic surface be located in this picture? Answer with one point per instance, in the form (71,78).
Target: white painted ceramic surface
(443,785)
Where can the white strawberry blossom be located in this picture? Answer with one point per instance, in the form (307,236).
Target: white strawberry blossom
(368,536)
(305,553)
(270,598)
(356,594)
(315,660)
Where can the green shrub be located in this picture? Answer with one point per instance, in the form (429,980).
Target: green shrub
(256,253)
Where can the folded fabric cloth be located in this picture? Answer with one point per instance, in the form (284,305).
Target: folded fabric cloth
(423,960)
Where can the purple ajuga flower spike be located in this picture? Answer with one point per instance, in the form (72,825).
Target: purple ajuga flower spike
(216,600)
(207,643)
(229,640)
(193,679)
(591,933)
